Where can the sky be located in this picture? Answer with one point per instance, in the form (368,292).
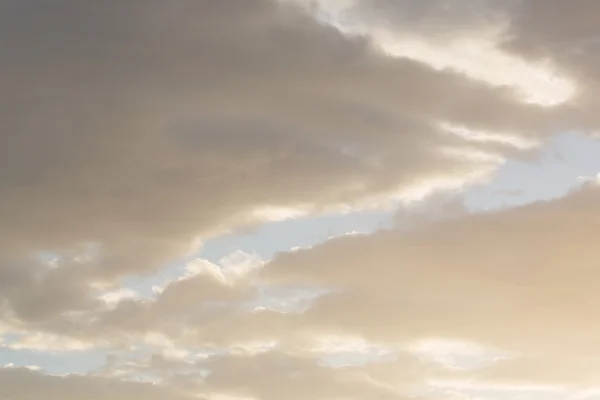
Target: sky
(324,199)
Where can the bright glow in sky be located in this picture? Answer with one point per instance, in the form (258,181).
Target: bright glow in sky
(476,54)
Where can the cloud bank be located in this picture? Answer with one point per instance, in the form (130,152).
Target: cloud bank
(132,131)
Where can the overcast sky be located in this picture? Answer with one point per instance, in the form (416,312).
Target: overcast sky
(299,199)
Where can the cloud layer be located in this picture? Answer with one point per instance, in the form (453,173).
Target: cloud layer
(132,131)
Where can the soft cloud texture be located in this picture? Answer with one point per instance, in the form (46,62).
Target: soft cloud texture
(133,131)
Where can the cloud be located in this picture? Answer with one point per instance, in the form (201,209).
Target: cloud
(188,119)
(154,116)
(126,146)
(465,36)
(518,280)
(271,376)
(495,283)
(133,132)
(24,384)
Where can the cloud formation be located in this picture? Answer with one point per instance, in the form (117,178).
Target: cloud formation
(132,131)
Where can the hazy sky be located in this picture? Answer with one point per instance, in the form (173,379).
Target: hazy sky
(299,199)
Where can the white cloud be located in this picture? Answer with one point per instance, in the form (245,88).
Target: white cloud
(230,269)
(521,143)
(113,298)
(455,354)
(476,53)
(50,343)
